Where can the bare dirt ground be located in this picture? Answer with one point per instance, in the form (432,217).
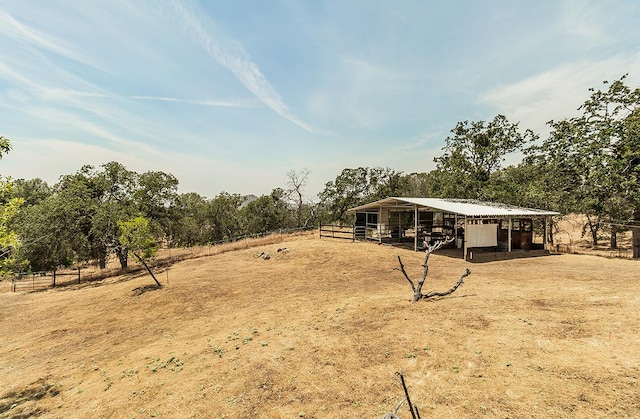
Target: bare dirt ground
(320,329)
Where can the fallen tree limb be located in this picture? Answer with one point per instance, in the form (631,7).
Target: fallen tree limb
(394,414)
(415,414)
(413,409)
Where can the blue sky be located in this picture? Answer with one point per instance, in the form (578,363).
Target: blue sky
(231,95)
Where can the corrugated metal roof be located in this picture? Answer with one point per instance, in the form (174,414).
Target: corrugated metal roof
(470,208)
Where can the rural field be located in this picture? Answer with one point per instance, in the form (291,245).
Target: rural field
(319,330)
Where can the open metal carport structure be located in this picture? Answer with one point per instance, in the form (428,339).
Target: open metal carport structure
(474,224)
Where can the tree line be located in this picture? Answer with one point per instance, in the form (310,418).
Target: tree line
(589,164)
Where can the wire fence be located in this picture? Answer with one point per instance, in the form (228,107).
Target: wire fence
(38,281)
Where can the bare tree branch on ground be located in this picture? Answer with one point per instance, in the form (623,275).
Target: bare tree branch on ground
(417,288)
(415,414)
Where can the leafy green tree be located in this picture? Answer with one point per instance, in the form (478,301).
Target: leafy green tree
(136,237)
(595,157)
(116,186)
(103,202)
(629,151)
(474,152)
(529,184)
(78,218)
(56,231)
(9,240)
(154,194)
(386,182)
(9,207)
(51,235)
(198,221)
(358,186)
(224,218)
(419,185)
(105,233)
(189,223)
(33,191)
(267,213)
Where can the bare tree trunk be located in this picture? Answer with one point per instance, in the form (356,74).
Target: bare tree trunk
(594,227)
(296,183)
(123,257)
(417,288)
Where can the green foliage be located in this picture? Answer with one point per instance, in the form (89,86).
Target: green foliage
(9,208)
(5,146)
(267,213)
(196,220)
(224,217)
(474,153)
(525,185)
(596,156)
(154,194)
(54,231)
(136,236)
(359,186)
(9,241)
(77,219)
(190,226)
(32,191)
(419,184)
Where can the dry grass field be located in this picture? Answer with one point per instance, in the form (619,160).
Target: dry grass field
(569,239)
(319,330)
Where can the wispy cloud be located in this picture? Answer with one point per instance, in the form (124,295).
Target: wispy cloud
(588,21)
(55,119)
(231,55)
(557,93)
(240,103)
(68,95)
(12,28)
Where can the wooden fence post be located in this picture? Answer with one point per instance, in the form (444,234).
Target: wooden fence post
(54,278)
(78,274)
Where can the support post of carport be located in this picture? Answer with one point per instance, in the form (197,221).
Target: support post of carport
(415,239)
(464,244)
(455,230)
(509,236)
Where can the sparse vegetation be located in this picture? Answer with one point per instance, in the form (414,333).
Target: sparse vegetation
(327,342)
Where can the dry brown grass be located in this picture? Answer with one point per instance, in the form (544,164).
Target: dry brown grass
(569,239)
(319,330)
